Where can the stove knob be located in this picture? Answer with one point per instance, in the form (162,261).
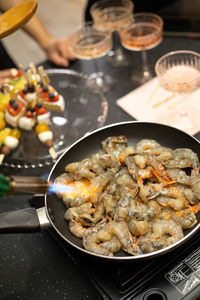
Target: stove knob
(154,294)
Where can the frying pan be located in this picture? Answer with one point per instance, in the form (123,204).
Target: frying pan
(31,220)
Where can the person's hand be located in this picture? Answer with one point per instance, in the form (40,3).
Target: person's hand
(57,51)
(6,75)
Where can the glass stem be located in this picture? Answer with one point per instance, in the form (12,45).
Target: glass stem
(144,61)
(116,40)
(98,76)
(96,69)
(117,50)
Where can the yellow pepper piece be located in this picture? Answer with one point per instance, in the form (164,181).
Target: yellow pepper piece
(41,128)
(4,99)
(3,134)
(15,133)
(2,124)
(2,115)
(18,84)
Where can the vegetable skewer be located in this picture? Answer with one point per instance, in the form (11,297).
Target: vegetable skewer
(11,142)
(45,136)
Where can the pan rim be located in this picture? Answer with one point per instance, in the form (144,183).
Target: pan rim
(119,258)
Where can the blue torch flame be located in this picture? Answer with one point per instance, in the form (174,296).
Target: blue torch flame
(59,188)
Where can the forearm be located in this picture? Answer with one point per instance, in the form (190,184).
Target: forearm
(6,4)
(56,49)
(38,32)
(34,27)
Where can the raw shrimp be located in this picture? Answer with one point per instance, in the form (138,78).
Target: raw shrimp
(111,187)
(121,213)
(87,169)
(176,204)
(149,243)
(138,227)
(145,145)
(113,245)
(124,178)
(115,145)
(145,173)
(109,203)
(184,158)
(121,210)
(76,201)
(189,195)
(145,212)
(129,150)
(168,229)
(128,243)
(140,161)
(179,176)
(80,191)
(77,229)
(186,218)
(144,191)
(72,167)
(162,234)
(98,213)
(151,160)
(148,189)
(171,197)
(131,165)
(98,184)
(94,238)
(186,192)
(196,187)
(73,192)
(61,182)
(124,196)
(152,147)
(105,161)
(147,159)
(162,153)
(84,211)
(100,181)
(166,213)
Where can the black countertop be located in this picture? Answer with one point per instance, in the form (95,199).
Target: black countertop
(34,266)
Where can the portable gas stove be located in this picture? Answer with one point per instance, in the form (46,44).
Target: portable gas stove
(171,276)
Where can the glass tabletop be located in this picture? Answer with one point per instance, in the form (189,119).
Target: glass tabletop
(85,110)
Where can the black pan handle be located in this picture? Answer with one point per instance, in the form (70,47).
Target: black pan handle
(24,220)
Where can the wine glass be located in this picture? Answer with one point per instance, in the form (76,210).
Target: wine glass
(87,42)
(179,73)
(145,32)
(111,15)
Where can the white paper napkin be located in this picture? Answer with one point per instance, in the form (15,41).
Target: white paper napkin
(150,102)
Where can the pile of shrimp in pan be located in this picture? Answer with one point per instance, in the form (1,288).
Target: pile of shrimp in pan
(137,198)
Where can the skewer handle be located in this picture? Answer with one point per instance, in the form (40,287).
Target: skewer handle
(53,153)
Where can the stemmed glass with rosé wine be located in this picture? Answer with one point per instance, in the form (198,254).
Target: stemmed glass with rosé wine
(89,43)
(179,73)
(111,15)
(145,32)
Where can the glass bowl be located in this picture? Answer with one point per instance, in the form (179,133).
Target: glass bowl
(143,33)
(88,42)
(179,71)
(111,15)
